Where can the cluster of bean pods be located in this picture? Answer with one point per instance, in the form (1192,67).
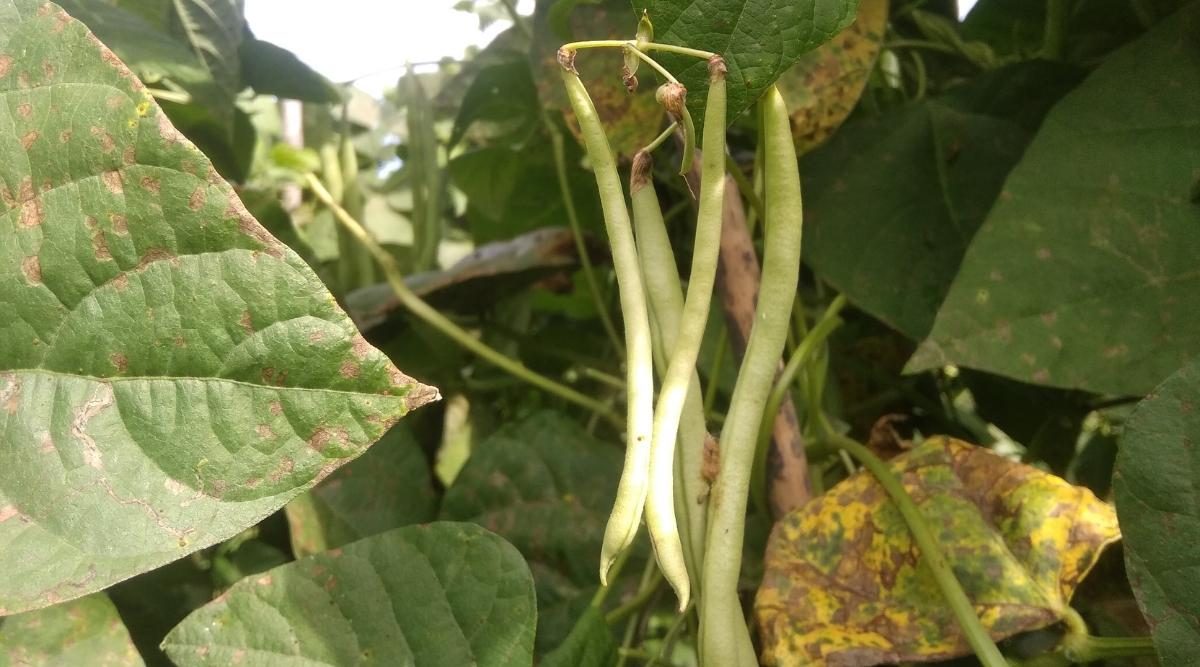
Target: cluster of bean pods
(658,481)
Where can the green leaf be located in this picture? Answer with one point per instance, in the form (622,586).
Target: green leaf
(273,70)
(1084,274)
(1157,474)
(590,644)
(503,95)
(170,373)
(546,486)
(388,487)
(760,40)
(215,29)
(441,594)
(86,631)
(892,202)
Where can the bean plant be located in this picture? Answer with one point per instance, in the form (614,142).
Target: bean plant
(771,332)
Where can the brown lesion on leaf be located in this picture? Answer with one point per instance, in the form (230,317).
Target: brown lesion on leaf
(31,268)
(153,255)
(120,223)
(48,69)
(151,184)
(113,181)
(6,62)
(24,109)
(349,370)
(324,436)
(8,512)
(198,197)
(10,393)
(276,408)
(120,362)
(46,443)
(248,226)
(246,322)
(107,143)
(283,469)
(274,378)
(264,432)
(102,399)
(32,213)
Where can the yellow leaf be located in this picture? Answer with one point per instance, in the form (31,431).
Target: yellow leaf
(823,87)
(845,584)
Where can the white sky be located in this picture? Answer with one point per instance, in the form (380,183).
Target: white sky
(373,39)
(347,39)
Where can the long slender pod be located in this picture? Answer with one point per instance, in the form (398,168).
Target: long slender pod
(666,308)
(660,501)
(726,641)
(631,493)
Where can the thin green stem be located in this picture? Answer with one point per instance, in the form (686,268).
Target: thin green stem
(745,187)
(1054,36)
(668,646)
(639,360)
(646,589)
(1081,647)
(648,46)
(714,372)
(658,141)
(811,342)
(920,44)
(585,260)
(600,376)
(615,573)
(725,638)
(433,318)
(652,63)
(976,635)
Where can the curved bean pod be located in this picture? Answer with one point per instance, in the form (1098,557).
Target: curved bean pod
(660,501)
(631,493)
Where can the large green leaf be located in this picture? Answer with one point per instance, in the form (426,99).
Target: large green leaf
(169,372)
(590,644)
(273,70)
(1157,475)
(760,40)
(215,29)
(86,631)
(892,202)
(388,487)
(1084,273)
(441,594)
(546,486)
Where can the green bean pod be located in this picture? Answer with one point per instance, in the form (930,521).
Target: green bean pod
(725,639)
(660,501)
(631,493)
(666,309)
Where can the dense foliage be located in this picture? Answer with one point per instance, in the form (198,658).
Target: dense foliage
(221,273)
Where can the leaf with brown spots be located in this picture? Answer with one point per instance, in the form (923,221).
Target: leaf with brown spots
(86,631)
(146,343)
(1084,274)
(844,583)
(822,88)
(436,594)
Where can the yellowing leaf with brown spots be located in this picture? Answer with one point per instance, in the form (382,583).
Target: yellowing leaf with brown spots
(169,372)
(822,88)
(845,584)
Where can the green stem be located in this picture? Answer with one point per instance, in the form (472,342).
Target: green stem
(976,635)
(745,187)
(920,44)
(664,655)
(615,573)
(639,360)
(1054,37)
(714,373)
(585,260)
(601,377)
(653,145)
(1080,647)
(799,359)
(433,318)
(646,589)
(660,501)
(725,638)
(647,46)
(517,19)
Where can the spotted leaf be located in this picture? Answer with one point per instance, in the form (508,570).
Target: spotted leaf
(169,372)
